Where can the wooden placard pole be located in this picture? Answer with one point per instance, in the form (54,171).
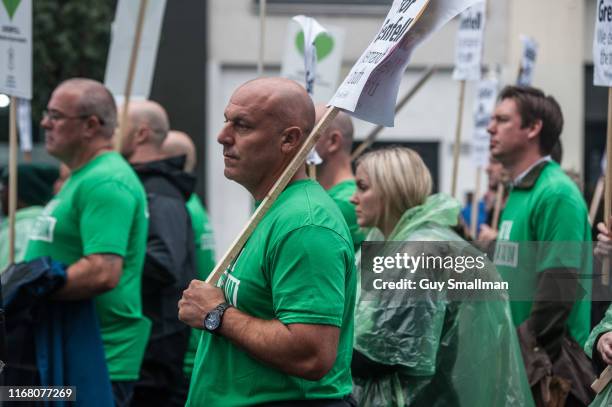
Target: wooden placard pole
(374,133)
(474,214)
(131,70)
(457,146)
(602,381)
(605,271)
(277,188)
(262,35)
(312,171)
(12,209)
(499,197)
(596,201)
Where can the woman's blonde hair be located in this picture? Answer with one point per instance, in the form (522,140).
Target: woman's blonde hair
(399,176)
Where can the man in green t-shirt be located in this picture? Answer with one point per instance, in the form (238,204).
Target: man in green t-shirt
(335,173)
(178,143)
(280,328)
(543,246)
(96,224)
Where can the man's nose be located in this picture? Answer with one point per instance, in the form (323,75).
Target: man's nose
(491,127)
(45,122)
(225,137)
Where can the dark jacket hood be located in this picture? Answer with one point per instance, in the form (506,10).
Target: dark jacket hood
(172,170)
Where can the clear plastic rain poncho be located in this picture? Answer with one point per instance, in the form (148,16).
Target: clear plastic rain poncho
(448,353)
(603,399)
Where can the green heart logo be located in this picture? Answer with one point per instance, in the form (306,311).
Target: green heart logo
(324,44)
(11,6)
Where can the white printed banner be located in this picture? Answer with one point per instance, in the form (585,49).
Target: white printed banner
(602,44)
(484,104)
(530,53)
(16,48)
(123,31)
(469,45)
(370,89)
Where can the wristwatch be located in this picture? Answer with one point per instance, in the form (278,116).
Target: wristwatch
(212,320)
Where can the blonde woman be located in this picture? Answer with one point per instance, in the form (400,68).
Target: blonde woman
(429,351)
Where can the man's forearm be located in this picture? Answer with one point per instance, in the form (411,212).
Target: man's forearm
(281,346)
(90,276)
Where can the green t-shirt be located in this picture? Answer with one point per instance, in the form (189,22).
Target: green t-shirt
(102,209)
(205,262)
(297,267)
(341,193)
(551,210)
(24,220)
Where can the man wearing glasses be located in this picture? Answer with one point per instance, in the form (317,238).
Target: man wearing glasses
(96,224)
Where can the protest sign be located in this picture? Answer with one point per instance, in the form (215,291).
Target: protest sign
(329,46)
(602,76)
(530,53)
(16,81)
(484,104)
(469,44)
(124,31)
(16,48)
(24,122)
(370,89)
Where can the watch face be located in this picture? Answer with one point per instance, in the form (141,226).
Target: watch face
(211,322)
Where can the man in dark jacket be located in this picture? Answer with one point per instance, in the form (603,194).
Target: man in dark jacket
(170,257)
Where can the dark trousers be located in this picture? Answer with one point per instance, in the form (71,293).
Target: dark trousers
(162,381)
(122,393)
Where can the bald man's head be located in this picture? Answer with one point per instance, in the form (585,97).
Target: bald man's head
(151,115)
(341,124)
(178,143)
(267,121)
(286,100)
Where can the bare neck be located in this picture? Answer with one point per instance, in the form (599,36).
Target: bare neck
(91,151)
(521,165)
(334,171)
(260,191)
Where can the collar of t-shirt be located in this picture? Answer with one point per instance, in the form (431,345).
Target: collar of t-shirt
(519,180)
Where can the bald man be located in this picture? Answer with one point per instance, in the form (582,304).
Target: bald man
(96,224)
(335,173)
(279,329)
(178,144)
(170,258)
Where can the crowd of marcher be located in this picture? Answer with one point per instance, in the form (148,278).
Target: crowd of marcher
(107,291)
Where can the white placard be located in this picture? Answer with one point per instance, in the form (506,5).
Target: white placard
(469,44)
(24,122)
(123,31)
(329,60)
(602,44)
(484,105)
(16,48)
(370,90)
(530,53)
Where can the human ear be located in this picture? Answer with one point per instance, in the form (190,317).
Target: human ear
(291,139)
(534,129)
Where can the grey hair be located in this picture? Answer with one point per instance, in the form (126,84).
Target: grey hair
(96,100)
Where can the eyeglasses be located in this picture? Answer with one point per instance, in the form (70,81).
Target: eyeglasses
(55,115)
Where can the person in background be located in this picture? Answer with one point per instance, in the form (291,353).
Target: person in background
(335,173)
(96,224)
(177,144)
(34,190)
(425,350)
(543,245)
(170,257)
